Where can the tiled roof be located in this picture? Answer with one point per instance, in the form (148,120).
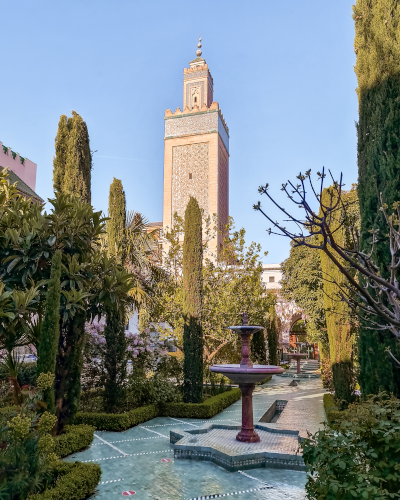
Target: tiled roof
(22,186)
(154,224)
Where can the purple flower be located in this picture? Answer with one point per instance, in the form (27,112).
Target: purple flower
(141,349)
(129,348)
(135,342)
(147,330)
(135,352)
(148,349)
(134,355)
(141,342)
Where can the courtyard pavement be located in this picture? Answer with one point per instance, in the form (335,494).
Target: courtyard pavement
(139,462)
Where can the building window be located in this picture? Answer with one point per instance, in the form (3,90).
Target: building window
(190,176)
(272,279)
(195,99)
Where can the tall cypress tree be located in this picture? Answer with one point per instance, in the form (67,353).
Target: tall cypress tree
(192,304)
(340,324)
(378,72)
(72,163)
(47,349)
(272,330)
(117,215)
(258,350)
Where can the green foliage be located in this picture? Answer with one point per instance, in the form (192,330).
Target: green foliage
(117,422)
(47,351)
(156,390)
(272,332)
(357,457)
(331,410)
(302,283)
(340,321)
(27,374)
(378,72)
(75,481)
(193,304)
(208,409)
(231,284)
(75,438)
(258,350)
(27,452)
(72,163)
(117,217)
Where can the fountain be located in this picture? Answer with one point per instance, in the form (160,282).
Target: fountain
(297,356)
(246,375)
(217,442)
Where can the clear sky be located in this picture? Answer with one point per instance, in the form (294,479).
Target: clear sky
(283,76)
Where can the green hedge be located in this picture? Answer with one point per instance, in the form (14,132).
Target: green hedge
(117,421)
(331,410)
(208,409)
(74,481)
(76,438)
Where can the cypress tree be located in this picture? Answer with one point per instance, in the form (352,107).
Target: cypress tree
(258,350)
(115,358)
(340,324)
(378,73)
(47,349)
(117,215)
(272,331)
(72,163)
(192,304)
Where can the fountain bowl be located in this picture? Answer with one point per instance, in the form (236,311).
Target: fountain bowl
(246,375)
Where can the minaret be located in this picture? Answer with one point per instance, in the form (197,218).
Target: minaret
(196,150)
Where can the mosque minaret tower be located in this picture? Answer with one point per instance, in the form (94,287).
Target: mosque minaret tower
(196,150)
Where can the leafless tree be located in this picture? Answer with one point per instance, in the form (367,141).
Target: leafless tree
(364,287)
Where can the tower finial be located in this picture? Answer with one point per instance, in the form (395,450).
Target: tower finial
(198,51)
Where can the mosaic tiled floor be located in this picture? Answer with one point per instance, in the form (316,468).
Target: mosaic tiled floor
(141,462)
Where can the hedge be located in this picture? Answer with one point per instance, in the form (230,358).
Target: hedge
(74,481)
(123,421)
(76,438)
(117,421)
(331,410)
(208,409)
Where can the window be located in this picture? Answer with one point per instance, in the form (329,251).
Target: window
(195,99)
(190,176)
(272,279)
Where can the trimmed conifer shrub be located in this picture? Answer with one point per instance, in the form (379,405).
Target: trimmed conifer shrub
(115,357)
(72,163)
(272,332)
(258,350)
(47,349)
(117,218)
(192,304)
(377,68)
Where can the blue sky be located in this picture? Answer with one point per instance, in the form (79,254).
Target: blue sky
(283,76)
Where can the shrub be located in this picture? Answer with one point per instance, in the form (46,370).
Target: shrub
(332,411)
(357,457)
(76,438)
(27,374)
(115,421)
(208,409)
(75,481)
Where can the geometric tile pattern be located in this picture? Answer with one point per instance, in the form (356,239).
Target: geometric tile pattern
(223,189)
(195,124)
(190,166)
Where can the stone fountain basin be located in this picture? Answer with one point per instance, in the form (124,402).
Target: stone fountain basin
(245,374)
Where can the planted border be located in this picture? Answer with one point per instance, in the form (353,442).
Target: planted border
(76,438)
(332,412)
(123,421)
(73,481)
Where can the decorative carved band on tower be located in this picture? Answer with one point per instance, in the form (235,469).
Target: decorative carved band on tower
(196,150)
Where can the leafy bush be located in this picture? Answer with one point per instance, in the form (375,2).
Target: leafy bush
(358,456)
(27,374)
(208,409)
(76,438)
(74,481)
(332,411)
(117,421)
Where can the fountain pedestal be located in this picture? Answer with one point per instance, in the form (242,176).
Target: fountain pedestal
(246,375)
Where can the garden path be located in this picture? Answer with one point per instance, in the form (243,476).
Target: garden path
(140,460)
